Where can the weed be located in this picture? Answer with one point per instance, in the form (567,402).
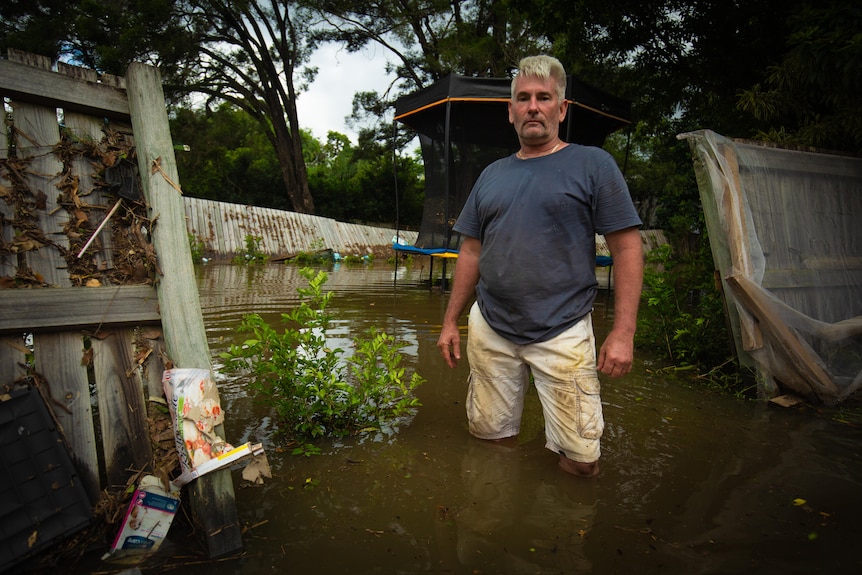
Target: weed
(196,245)
(682,319)
(251,254)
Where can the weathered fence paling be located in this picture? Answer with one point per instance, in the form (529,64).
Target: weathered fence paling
(97,322)
(182,318)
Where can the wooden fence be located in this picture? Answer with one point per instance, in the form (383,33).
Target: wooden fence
(105,321)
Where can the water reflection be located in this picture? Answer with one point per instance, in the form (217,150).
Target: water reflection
(517,520)
(691,482)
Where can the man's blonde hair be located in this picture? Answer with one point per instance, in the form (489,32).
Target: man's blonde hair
(542,67)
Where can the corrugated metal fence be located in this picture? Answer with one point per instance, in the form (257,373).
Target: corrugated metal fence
(223,228)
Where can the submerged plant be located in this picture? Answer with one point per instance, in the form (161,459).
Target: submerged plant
(313,388)
(251,253)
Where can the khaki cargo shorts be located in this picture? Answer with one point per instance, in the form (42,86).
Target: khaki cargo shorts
(564,372)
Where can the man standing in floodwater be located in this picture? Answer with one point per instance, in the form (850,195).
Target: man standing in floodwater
(528,257)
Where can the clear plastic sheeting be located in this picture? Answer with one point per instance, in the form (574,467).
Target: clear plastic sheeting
(786,236)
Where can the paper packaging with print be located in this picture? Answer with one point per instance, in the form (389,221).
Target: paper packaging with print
(147,520)
(195,410)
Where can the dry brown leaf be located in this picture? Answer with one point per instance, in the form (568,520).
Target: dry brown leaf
(17,346)
(25,245)
(80,217)
(41,199)
(87,357)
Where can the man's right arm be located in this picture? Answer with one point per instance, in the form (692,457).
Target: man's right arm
(463,292)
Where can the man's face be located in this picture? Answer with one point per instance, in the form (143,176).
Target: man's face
(536,112)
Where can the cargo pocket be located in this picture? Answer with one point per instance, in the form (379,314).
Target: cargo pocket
(470,401)
(476,420)
(591,424)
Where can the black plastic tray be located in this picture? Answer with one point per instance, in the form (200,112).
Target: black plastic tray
(41,498)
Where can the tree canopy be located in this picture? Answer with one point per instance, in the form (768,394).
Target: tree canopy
(812,93)
(780,70)
(250,53)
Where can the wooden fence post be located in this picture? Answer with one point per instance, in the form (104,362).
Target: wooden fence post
(212,496)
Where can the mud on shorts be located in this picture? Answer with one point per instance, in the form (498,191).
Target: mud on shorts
(564,371)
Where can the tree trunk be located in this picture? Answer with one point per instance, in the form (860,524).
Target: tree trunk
(292,165)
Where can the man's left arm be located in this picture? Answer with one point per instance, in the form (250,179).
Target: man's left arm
(617,351)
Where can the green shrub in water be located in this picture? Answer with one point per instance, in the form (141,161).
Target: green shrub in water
(251,253)
(682,321)
(313,388)
(196,246)
(311,258)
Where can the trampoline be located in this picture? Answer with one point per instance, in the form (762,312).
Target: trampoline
(462,124)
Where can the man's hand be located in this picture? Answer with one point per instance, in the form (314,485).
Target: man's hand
(463,291)
(616,354)
(450,344)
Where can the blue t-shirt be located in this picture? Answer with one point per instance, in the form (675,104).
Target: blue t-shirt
(537,220)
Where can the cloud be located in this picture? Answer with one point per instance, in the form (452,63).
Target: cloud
(329,99)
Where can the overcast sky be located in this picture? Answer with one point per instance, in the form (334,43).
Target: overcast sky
(329,99)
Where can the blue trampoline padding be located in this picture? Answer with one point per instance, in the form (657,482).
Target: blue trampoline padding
(601,261)
(423,251)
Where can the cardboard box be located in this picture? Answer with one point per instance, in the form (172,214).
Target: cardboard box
(147,519)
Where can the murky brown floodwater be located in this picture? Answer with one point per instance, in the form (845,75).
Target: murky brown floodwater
(691,481)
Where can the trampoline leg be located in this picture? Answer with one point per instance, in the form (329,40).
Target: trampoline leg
(430,272)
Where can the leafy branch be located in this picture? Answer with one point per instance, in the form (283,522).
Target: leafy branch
(314,390)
